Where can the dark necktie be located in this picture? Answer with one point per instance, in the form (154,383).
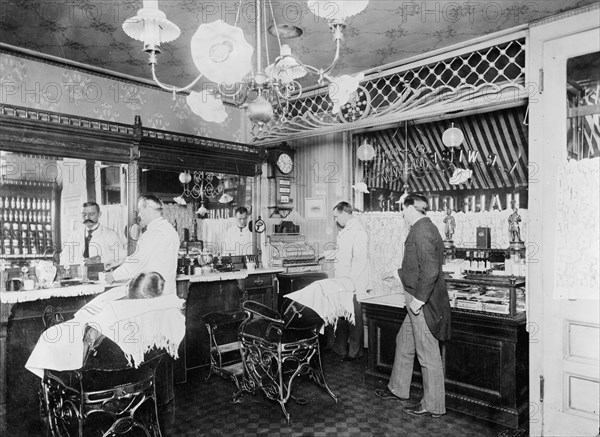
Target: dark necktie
(86,250)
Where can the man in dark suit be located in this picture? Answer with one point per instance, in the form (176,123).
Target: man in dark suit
(428,319)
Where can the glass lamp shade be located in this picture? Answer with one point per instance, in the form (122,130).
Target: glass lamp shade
(365,152)
(225,198)
(221,53)
(460,176)
(207,106)
(336,10)
(202,211)
(286,68)
(179,200)
(341,88)
(260,111)
(452,137)
(360,187)
(151,26)
(185,177)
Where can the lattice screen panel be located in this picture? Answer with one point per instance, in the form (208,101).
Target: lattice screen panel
(492,74)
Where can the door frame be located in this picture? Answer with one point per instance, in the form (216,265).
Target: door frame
(543,162)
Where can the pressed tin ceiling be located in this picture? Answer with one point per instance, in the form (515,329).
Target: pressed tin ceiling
(387,31)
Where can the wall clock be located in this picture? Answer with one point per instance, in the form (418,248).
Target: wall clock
(280,174)
(285,163)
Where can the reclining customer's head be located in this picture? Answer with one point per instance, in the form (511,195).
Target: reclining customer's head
(146,285)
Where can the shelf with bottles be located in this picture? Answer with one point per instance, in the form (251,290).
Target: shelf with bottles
(488,294)
(28,226)
(486,261)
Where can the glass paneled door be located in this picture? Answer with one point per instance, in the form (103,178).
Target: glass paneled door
(564,193)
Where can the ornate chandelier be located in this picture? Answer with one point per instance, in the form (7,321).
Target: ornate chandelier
(201,186)
(222,55)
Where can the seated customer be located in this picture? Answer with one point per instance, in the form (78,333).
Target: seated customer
(146,285)
(143,319)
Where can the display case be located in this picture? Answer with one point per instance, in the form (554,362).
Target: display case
(29,219)
(477,260)
(485,361)
(488,294)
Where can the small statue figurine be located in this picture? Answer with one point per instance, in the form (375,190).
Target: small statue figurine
(450,225)
(513,226)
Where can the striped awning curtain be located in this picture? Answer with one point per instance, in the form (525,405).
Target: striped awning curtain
(499,134)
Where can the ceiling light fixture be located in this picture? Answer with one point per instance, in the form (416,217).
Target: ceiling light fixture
(222,55)
(366,151)
(201,185)
(453,137)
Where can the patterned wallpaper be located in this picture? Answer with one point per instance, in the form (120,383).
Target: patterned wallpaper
(387,31)
(50,87)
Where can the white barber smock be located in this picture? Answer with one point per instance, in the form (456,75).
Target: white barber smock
(157,251)
(352,258)
(238,241)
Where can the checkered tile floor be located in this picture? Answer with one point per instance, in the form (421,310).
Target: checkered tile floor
(205,408)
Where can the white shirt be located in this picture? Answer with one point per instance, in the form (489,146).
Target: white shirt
(156,251)
(352,257)
(104,243)
(238,241)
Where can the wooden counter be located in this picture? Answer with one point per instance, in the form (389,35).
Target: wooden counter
(21,324)
(219,291)
(485,361)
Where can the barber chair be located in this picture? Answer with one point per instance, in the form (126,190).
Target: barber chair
(277,348)
(106,397)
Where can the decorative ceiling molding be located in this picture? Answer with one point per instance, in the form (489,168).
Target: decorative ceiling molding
(32,131)
(563,15)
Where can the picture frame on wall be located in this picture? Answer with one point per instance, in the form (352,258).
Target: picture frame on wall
(315,208)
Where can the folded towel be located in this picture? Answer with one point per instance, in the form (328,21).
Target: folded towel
(329,298)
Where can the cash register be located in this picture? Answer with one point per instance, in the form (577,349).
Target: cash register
(290,251)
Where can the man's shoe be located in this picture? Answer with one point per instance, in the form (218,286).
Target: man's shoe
(386,394)
(418,410)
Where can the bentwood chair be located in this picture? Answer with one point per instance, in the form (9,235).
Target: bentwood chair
(106,397)
(277,348)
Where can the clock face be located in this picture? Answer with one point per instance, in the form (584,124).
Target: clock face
(285,163)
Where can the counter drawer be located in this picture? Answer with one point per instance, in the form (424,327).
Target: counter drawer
(258,281)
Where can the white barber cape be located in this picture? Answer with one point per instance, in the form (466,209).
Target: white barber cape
(135,325)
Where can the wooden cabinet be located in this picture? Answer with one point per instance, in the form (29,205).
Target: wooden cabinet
(261,288)
(485,361)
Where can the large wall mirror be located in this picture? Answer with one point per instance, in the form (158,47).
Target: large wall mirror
(199,204)
(42,197)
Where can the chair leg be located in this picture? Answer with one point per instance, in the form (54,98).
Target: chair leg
(285,413)
(319,377)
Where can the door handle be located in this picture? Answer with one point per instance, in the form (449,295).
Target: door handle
(258,282)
